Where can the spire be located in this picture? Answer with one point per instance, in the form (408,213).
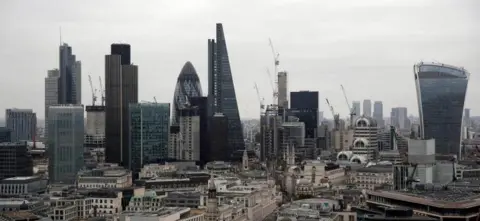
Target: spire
(211,183)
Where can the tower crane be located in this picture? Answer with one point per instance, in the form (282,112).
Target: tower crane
(352,110)
(94,96)
(276,62)
(102,92)
(260,99)
(336,117)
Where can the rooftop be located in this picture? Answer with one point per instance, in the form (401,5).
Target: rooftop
(20,215)
(21,178)
(436,196)
(165,211)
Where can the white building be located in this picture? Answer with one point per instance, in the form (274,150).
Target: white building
(372,176)
(365,136)
(106,177)
(164,214)
(189,135)
(29,185)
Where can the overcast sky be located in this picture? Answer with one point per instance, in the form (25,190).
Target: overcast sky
(369,46)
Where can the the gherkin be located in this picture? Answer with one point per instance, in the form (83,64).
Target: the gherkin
(188,85)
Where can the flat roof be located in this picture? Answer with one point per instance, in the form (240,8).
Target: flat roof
(21,178)
(20,215)
(451,198)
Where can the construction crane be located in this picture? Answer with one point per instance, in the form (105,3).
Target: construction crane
(336,117)
(94,96)
(260,99)
(102,92)
(352,110)
(276,62)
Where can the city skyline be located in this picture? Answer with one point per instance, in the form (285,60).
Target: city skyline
(159,55)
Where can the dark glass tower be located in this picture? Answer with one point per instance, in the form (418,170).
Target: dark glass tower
(221,90)
(188,86)
(69,81)
(304,105)
(121,89)
(123,50)
(441,93)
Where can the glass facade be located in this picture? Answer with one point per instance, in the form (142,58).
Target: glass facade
(188,86)
(65,143)
(149,128)
(441,91)
(304,105)
(222,89)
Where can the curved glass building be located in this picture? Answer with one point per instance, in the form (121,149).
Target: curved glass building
(441,93)
(188,85)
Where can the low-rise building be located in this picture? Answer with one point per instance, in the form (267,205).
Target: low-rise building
(111,176)
(164,214)
(372,176)
(26,185)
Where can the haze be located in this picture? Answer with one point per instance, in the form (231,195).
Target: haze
(369,46)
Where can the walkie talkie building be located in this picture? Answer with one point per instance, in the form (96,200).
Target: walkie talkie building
(441,91)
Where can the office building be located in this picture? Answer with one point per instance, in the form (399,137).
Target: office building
(293,134)
(304,106)
(51,92)
(174,142)
(221,89)
(121,89)
(149,130)
(466,118)
(367,108)
(188,85)
(5,135)
(201,104)
(378,113)
(95,127)
(441,91)
(15,160)
(356,108)
(189,134)
(365,135)
(65,143)
(282,90)
(22,123)
(399,118)
(219,138)
(70,78)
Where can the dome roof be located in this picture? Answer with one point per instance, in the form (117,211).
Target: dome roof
(358,159)
(188,72)
(365,121)
(360,142)
(344,155)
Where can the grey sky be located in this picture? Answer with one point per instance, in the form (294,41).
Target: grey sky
(369,46)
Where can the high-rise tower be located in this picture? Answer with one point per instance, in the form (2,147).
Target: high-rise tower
(378,113)
(367,108)
(121,89)
(221,90)
(70,78)
(188,86)
(441,93)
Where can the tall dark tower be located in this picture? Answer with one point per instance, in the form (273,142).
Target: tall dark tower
(121,89)
(221,90)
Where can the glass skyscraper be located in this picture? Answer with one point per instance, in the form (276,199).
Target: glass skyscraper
(221,89)
(65,143)
(441,93)
(188,86)
(149,130)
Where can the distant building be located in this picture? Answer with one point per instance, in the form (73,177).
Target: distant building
(23,185)
(15,160)
(367,108)
(282,90)
(441,91)
(121,89)
(304,106)
(22,123)
(51,92)
(70,78)
(201,103)
(149,126)
(189,134)
(5,135)
(65,143)
(399,118)
(95,127)
(357,108)
(378,113)
(174,142)
(365,144)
